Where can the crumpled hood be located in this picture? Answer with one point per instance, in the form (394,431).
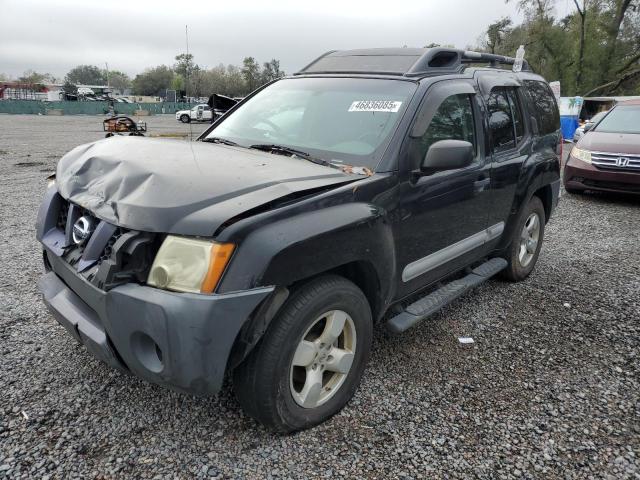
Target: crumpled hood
(181,187)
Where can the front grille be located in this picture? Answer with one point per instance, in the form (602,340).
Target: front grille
(616,161)
(112,255)
(62,216)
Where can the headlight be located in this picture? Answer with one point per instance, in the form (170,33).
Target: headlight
(579,154)
(189,265)
(51,181)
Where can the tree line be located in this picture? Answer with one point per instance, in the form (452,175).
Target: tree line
(183,76)
(592,51)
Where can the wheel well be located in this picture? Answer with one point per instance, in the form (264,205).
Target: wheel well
(361,273)
(546,197)
(364,275)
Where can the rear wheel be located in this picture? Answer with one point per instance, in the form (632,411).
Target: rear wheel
(310,361)
(574,191)
(523,252)
(185,118)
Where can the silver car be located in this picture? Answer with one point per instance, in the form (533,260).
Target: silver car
(589,124)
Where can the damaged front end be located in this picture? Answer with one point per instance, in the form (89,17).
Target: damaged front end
(106,255)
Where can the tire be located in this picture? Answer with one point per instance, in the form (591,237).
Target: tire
(520,266)
(574,191)
(273,391)
(185,118)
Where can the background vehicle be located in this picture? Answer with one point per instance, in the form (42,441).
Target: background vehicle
(588,125)
(608,158)
(121,125)
(373,186)
(199,113)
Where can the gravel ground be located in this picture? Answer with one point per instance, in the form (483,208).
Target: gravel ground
(549,389)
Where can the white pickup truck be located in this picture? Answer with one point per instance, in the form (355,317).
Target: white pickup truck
(199,113)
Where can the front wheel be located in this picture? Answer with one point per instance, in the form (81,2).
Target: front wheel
(528,234)
(185,118)
(311,359)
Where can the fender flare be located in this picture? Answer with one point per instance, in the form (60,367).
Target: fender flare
(299,247)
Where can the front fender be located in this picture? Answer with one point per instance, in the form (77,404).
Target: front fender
(309,243)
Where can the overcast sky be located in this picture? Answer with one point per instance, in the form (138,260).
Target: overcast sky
(55,35)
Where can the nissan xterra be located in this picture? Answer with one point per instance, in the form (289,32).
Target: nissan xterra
(372,186)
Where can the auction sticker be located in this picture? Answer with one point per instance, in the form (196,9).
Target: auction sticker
(375,106)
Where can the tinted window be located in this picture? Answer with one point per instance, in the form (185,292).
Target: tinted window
(516,111)
(452,121)
(622,119)
(544,103)
(500,120)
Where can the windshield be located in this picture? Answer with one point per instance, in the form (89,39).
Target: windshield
(597,117)
(342,120)
(622,119)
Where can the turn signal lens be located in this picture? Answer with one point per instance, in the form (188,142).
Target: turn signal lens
(189,265)
(220,255)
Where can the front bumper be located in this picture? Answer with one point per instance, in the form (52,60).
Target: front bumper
(579,175)
(178,340)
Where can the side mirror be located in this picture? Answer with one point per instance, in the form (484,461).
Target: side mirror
(587,126)
(447,155)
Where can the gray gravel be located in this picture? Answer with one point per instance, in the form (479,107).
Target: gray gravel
(549,389)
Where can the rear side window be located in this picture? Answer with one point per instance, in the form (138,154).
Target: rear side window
(505,118)
(452,121)
(544,103)
(516,111)
(500,120)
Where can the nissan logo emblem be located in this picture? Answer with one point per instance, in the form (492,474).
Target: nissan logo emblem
(82,230)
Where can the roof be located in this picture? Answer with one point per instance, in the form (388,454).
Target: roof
(407,62)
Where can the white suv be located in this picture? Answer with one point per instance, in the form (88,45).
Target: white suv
(199,113)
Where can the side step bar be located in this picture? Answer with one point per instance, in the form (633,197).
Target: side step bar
(430,304)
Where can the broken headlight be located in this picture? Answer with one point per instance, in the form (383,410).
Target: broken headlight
(189,265)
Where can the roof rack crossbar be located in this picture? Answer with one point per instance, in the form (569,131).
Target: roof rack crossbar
(494,60)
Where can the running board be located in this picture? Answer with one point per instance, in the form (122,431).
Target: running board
(430,304)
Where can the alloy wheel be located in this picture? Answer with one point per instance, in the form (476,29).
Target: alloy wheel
(529,238)
(323,358)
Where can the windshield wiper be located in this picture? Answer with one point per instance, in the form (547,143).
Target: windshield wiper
(269,147)
(220,140)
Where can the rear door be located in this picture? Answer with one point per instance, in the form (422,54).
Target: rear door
(443,224)
(508,142)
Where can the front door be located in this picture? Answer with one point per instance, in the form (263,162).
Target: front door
(444,214)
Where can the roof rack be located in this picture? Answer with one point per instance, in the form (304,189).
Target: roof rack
(408,62)
(494,61)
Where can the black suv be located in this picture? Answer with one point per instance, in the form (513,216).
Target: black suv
(373,186)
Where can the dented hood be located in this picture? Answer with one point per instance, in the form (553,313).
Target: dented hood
(180,187)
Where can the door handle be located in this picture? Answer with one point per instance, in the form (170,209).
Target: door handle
(480,185)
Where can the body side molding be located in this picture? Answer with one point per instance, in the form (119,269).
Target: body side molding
(436,259)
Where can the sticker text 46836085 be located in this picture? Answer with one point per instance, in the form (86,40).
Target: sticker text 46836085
(375,106)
